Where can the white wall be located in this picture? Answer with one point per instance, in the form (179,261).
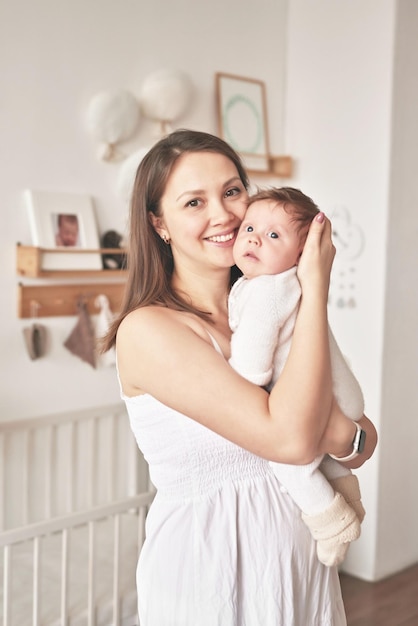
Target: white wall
(54,57)
(397,536)
(351,105)
(338,111)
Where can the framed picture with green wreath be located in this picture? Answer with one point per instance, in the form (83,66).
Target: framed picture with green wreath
(242,118)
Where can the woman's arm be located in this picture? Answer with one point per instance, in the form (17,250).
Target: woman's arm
(168,355)
(306,379)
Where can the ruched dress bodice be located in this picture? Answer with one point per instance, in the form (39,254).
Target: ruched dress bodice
(225,545)
(187,460)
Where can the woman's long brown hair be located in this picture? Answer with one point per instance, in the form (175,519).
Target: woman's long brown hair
(150,261)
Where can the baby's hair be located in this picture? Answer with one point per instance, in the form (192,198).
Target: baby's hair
(67,217)
(302,208)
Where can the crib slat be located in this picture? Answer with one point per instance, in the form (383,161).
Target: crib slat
(49,464)
(142,517)
(72,464)
(36,580)
(133,464)
(7,573)
(64,576)
(25,475)
(111,464)
(116,569)
(92,455)
(91,575)
(2,483)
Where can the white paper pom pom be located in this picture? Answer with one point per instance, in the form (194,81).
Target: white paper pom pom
(165,95)
(113,116)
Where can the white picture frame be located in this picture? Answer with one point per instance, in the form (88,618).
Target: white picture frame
(49,212)
(242,118)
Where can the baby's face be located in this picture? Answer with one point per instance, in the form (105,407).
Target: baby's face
(267,241)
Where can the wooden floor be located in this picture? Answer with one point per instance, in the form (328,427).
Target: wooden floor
(389,602)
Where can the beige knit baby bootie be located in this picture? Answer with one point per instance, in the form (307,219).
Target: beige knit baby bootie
(333,530)
(349,488)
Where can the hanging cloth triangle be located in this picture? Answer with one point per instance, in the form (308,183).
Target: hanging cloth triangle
(81,341)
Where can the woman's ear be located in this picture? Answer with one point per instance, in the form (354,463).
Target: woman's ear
(158,225)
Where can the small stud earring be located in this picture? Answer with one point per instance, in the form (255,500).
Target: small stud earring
(165,239)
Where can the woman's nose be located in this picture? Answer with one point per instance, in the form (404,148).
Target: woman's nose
(220,213)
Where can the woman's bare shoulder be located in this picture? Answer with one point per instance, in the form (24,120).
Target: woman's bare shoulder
(144,313)
(156,345)
(145,321)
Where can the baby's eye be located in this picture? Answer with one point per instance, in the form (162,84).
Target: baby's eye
(272,235)
(249,229)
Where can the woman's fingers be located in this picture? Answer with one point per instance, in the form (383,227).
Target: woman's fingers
(318,253)
(319,233)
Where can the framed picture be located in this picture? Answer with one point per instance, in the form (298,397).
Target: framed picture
(64,222)
(242,118)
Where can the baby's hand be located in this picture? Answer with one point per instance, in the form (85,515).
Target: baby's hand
(315,263)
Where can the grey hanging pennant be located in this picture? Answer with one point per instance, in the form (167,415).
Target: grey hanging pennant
(81,341)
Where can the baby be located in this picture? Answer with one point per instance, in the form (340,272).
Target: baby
(263,306)
(68,230)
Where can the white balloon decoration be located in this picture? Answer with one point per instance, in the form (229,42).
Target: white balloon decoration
(165,96)
(112,117)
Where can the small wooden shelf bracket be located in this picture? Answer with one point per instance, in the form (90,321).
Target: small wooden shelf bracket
(278,167)
(281,166)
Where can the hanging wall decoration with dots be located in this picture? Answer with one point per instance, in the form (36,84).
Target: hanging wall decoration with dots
(349,242)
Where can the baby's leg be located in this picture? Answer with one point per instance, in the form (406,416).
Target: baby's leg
(331,521)
(306,485)
(345,482)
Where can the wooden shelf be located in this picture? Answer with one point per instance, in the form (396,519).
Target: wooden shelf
(60,300)
(29,261)
(44,299)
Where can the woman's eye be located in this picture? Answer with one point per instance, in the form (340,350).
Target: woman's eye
(249,229)
(193,203)
(273,235)
(232,192)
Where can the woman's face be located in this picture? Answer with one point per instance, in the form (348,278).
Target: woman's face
(202,208)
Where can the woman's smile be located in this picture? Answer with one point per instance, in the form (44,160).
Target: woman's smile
(223,238)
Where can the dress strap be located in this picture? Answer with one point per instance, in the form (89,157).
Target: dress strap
(215,343)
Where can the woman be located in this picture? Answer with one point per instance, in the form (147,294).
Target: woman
(224,545)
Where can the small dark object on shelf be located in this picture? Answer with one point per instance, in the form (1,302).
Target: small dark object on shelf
(112,239)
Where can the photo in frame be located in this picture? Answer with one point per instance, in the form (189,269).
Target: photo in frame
(242,118)
(64,222)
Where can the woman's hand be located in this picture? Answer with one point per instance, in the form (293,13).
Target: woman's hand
(315,263)
(339,436)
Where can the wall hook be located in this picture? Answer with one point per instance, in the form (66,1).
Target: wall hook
(35,335)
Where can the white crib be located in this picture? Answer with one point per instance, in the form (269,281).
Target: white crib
(74,494)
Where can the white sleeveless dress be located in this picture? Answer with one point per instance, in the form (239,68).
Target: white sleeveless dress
(225,546)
